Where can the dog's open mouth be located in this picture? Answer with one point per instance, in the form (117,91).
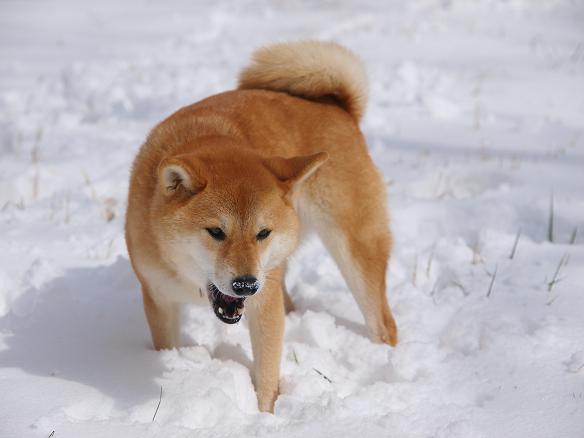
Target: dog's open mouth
(227,308)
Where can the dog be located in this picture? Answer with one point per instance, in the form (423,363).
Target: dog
(223,190)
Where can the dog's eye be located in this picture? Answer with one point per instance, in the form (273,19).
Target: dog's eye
(263,234)
(216,233)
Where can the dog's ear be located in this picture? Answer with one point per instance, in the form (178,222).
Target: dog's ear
(295,170)
(180,176)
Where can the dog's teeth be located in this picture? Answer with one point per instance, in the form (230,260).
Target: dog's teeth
(220,310)
(239,310)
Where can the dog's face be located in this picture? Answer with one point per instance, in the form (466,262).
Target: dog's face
(226,219)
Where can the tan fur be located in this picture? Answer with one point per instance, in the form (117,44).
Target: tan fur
(266,325)
(250,159)
(311,69)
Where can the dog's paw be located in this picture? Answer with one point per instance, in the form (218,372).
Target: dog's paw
(266,402)
(289,306)
(385,331)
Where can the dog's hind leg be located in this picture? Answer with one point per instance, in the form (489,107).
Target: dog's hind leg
(288,303)
(359,240)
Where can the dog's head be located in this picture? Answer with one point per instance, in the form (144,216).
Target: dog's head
(225,219)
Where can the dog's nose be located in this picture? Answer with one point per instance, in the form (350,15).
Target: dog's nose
(245,285)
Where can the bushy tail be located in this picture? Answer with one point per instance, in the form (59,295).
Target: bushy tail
(311,69)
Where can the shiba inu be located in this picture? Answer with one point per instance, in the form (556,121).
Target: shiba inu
(222,191)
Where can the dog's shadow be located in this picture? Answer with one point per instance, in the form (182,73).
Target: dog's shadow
(86,326)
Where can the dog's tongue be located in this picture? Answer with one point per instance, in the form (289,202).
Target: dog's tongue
(229,299)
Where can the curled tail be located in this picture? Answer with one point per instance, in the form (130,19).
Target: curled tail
(312,69)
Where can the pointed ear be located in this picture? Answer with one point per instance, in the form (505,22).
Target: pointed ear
(180,176)
(293,171)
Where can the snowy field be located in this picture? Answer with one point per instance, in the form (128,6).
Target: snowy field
(476,119)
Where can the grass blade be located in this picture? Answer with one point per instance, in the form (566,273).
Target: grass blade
(551,220)
(322,375)
(492,281)
(158,406)
(555,278)
(295,357)
(515,244)
(573,236)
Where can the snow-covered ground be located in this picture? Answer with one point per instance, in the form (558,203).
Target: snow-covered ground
(477,121)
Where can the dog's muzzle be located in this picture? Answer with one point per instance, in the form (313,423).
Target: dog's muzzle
(227,308)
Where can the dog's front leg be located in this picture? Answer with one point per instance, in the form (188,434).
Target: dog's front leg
(266,325)
(163,318)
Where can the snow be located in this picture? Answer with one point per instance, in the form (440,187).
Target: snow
(476,119)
